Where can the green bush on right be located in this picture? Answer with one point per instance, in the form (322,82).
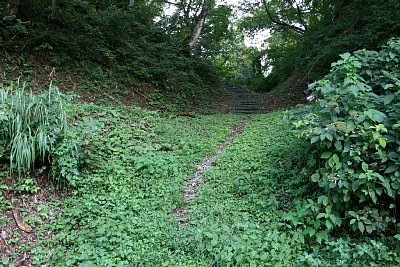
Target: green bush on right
(354,130)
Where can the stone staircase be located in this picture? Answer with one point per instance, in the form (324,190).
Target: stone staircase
(245,101)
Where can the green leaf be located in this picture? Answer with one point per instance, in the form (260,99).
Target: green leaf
(315,177)
(345,56)
(329,224)
(335,158)
(361,227)
(393,155)
(364,166)
(323,200)
(338,146)
(375,115)
(329,136)
(333,218)
(319,236)
(370,228)
(392,169)
(314,139)
(301,237)
(355,185)
(382,142)
(373,196)
(352,213)
(326,155)
(387,99)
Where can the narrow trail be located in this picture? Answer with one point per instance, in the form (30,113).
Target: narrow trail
(197,178)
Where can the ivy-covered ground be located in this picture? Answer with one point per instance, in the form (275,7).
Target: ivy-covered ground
(132,170)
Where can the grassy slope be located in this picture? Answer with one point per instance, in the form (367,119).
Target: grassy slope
(136,163)
(237,219)
(121,213)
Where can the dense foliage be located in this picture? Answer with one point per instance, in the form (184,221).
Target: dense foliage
(242,215)
(301,48)
(354,130)
(130,176)
(105,44)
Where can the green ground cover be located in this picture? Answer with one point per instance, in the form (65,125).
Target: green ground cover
(134,168)
(244,212)
(126,167)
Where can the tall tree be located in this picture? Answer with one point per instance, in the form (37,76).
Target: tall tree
(189,19)
(194,38)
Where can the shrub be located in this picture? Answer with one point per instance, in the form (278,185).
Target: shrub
(30,124)
(353,127)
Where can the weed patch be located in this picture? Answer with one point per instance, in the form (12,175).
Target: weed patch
(130,177)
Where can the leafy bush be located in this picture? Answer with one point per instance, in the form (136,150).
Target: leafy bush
(30,124)
(10,27)
(353,127)
(66,158)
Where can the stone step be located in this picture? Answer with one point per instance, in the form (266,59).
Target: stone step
(247,102)
(247,109)
(244,101)
(248,106)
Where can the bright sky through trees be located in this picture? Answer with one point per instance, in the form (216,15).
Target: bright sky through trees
(257,40)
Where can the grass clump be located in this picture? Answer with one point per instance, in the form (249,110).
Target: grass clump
(30,125)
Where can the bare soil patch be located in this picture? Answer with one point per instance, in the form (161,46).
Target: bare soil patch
(23,223)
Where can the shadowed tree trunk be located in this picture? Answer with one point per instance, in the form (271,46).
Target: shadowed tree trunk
(53,9)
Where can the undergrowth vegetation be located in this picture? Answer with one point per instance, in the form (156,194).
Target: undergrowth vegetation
(126,167)
(354,130)
(101,46)
(131,167)
(244,213)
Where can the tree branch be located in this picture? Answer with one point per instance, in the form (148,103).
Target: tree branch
(281,23)
(301,17)
(170,3)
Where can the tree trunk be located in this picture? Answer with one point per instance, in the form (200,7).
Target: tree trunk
(131,3)
(53,10)
(12,8)
(194,38)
